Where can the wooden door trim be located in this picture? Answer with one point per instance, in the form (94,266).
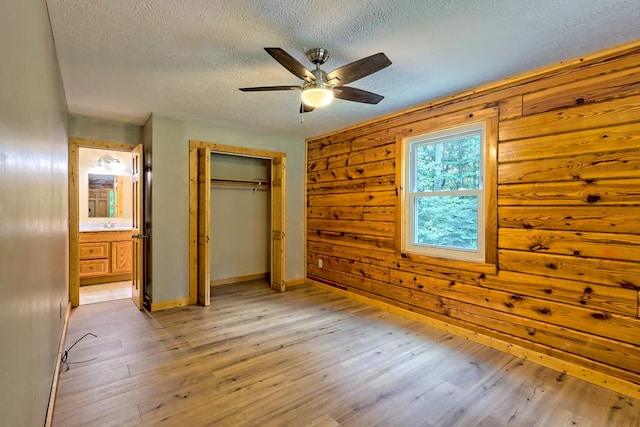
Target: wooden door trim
(74,205)
(237,151)
(204,227)
(193,224)
(194,202)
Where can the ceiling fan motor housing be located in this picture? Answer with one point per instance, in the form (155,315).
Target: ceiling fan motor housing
(318,55)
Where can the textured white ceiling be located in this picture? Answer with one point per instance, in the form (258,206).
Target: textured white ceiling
(124,59)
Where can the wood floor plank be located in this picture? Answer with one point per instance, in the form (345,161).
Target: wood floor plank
(305,357)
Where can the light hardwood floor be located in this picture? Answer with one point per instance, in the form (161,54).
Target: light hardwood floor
(91,294)
(305,357)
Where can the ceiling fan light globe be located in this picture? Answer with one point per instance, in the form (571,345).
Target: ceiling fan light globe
(317,96)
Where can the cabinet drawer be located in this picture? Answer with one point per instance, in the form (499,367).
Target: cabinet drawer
(93,250)
(94,267)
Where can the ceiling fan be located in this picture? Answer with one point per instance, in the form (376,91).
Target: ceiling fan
(319,87)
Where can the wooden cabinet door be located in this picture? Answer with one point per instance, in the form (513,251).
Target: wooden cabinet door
(121,257)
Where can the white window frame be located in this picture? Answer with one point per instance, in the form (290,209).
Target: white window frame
(410,195)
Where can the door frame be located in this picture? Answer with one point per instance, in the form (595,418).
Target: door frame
(199,214)
(74,204)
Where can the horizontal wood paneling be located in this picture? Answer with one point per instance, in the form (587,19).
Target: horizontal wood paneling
(353,158)
(623,247)
(591,116)
(349,252)
(590,270)
(371,228)
(582,193)
(586,167)
(511,108)
(600,297)
(353,239)
(567,277)
(355,268)
(570,316)
(612,219)
(573,144)
(348,212)
(583,91)
(378,198)
(321,149)
(376,183)
(363,213)
(383,167)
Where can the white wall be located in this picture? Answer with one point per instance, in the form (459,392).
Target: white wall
(33,211)
(170,197)
(240,219)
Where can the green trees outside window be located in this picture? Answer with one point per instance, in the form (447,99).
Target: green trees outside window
(445,197)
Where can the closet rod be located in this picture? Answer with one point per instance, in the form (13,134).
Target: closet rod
(252,183)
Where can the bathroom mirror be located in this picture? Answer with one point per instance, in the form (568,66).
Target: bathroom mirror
(106,195)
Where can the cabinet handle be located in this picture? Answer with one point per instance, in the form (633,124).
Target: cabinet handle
(139,236)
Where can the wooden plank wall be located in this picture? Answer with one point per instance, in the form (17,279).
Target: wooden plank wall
(568,205)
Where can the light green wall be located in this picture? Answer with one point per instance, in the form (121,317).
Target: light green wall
(88,127)
(170,197)
(33,212)
(169,233)
(166,144)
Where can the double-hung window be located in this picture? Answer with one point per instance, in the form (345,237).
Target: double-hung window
(445,194)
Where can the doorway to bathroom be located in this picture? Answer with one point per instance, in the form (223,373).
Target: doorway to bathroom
(102,216)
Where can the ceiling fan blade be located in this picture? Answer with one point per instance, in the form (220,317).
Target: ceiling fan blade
(290,63)
(357,95)
(358,69)
(269,88)
(304,108)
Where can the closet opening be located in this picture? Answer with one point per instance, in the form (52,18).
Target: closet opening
(236,217)
(240,219)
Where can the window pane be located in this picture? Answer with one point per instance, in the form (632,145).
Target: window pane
(446,165)
(450,221)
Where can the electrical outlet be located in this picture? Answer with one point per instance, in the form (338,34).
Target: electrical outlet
(319,262)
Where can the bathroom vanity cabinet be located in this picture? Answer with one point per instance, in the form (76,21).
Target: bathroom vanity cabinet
(105,256)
